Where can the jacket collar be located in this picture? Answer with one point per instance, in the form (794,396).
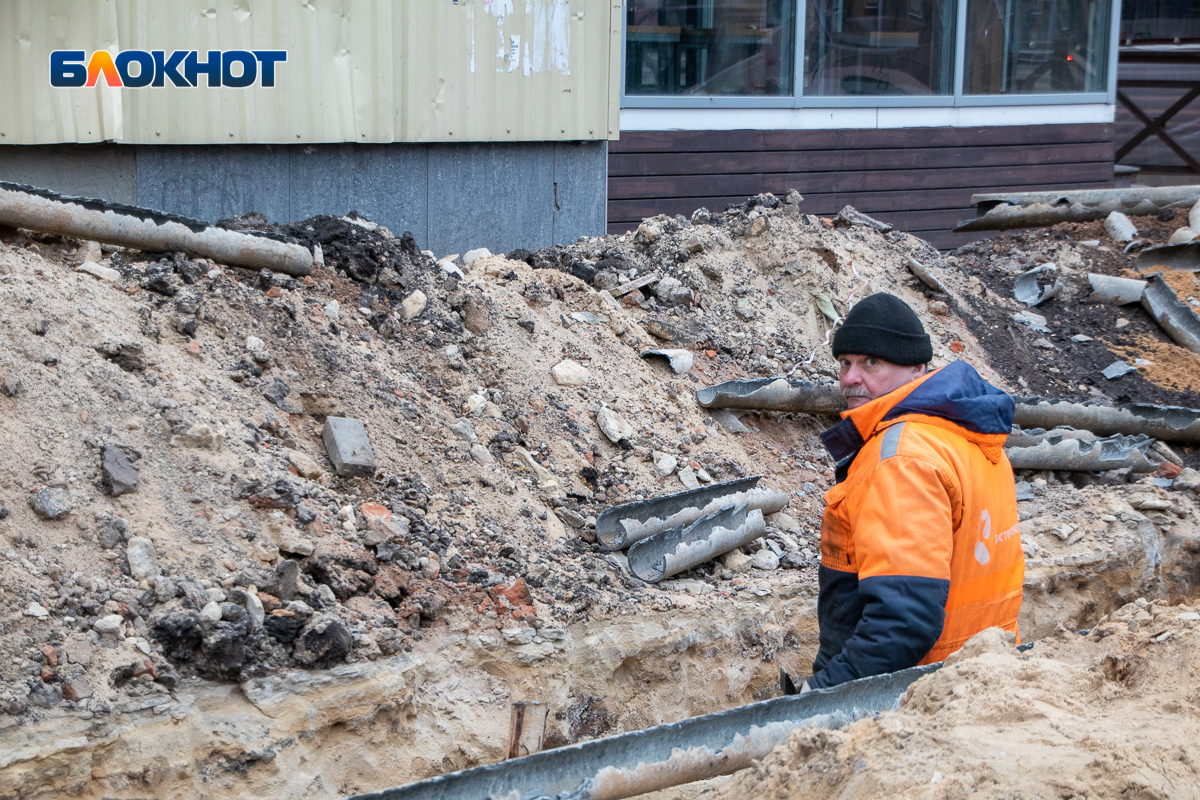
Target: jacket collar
(954,397)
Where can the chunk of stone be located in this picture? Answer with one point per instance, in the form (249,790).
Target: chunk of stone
(463,428)
(473,255)
(323,642)
(51,503)
(37,611)
(482,455)
(1188,478)
(77,649)
(108,625)
(665,464)
(348,447)
(118,473)
(736,561)
(688,478)
(764,559)
(101,272)
(211,612)
(569,373)
(201,437)
(518,636)
(474,405)
(612,425)
(412,306)
(305,466)
(143,561)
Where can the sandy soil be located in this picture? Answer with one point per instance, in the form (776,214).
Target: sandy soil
(1114,714)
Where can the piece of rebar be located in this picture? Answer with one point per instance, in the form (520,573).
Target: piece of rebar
(1169,423)
(998,212)
(667,755)
(1175,317)
(143,229)
(527,727)
(1184,257)
(1114,291)
(1078,454)
(672,551)
(620,526)
(774,394)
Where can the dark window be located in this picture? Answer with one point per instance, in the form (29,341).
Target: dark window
(879,47)
(1160,21)
(710,47)
(1024,46)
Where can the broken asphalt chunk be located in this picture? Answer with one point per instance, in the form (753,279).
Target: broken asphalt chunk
(51,503)
(119,474)
(348,447)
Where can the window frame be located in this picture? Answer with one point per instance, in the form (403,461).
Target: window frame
(957,99)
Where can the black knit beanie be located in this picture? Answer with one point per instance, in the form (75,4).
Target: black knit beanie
(883,326)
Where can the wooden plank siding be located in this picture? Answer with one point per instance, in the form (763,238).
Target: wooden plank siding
(918,179)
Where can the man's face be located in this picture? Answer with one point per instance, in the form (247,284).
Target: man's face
(863,378)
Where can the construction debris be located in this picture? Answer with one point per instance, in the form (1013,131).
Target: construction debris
(1119,228)
(774,394)
(680,360)
(998,212)
(1113,291)
(1185,256)
(1170,423)
(621,526)
(1176,318)
(926,275)
(1026,290)
(672,551)
(1058,452)
(128,226)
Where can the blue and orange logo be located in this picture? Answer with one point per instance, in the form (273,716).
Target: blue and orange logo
(137,68)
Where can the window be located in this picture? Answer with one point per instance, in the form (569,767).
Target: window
(710,47)
(1036,46)
(879,47)
(1155,21)
(882,53)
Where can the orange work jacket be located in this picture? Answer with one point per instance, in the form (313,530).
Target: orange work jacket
(920,546)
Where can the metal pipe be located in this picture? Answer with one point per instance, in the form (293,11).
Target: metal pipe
(666,755)
(774,394)
(998,212)
(620,526)
(143,229)
(1175,317)
(1077,454)
(1169,423)
(669,552)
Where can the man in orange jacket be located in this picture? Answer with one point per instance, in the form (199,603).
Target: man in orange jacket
(920,548)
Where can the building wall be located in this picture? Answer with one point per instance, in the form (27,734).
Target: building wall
(357,71)
(919,179)
(452,197)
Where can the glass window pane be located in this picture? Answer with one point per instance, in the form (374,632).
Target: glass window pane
(879,47)
(1024,46)
(709,47)
(1165,21)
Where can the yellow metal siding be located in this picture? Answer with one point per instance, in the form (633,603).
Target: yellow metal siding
(357,71)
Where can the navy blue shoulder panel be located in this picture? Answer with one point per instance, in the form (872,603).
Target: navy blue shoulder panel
(902,618)
(957,393)
(843,441)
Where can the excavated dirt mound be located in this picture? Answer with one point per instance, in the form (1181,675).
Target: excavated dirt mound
(193,598)
(1111,714)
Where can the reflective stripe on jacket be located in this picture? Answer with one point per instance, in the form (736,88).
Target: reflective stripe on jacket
(920,548)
